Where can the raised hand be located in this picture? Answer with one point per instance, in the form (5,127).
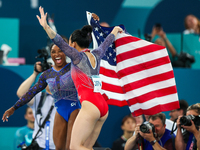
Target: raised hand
(8,113)
(43,19)
(116,29)
(95,16)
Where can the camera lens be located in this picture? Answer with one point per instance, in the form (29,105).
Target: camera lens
(185,120)
(144,128)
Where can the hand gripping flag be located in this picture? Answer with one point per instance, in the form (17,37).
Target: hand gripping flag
(136,73)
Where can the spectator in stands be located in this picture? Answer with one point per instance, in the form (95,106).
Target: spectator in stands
(139,119)
(162,40)
(128,126)
(179,112)
(24,134)
(189,138)
(159,140)
(192,24)
(104,24)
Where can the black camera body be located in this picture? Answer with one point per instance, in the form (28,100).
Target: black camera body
(186,120)
(183,60)
(44,54)
(33,146)
(146,126)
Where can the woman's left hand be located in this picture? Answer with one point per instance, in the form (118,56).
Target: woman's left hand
(43,19)
(8,113)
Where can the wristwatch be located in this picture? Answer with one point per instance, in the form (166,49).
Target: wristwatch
(153,142)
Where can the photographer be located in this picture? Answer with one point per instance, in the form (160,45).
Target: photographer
(189,138)
(157,137)
(163,40)
(40,105)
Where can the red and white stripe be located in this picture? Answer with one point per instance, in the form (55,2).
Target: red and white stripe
(143,77)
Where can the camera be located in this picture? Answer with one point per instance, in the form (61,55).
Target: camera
(146,126)
(158,26)
(147,37)
(183,60)
(33,146)
(44,54)
(186,120)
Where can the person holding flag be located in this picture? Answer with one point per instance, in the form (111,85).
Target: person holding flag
(135,72)
(84,71)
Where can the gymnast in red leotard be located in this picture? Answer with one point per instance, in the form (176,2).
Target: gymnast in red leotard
(84,71)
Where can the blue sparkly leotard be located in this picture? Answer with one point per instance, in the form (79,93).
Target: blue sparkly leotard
(62,88)
(82,71)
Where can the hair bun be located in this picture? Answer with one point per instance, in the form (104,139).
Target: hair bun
(85,30)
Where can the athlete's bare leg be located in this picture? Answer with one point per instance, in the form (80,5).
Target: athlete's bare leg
(60,132)
(85,126)
(70,125)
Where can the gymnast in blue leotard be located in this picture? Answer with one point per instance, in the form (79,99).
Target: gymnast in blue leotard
(63,91)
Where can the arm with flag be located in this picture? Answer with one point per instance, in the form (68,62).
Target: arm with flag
(135,72)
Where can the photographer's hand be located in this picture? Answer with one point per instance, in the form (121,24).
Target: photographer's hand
(148,136)
(178,122)
(192,129)
(131,142)
(37,68)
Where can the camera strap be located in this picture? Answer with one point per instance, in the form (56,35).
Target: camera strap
(173,141)
(42,99)
(43,124)
(139,142)
(172,134)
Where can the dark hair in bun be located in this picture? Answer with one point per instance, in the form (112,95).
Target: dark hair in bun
(83,36)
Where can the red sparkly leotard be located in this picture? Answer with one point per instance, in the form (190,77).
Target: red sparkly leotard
(82,71)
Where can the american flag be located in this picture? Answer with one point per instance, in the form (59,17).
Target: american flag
(136,73)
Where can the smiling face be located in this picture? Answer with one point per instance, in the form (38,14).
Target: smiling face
(58,57)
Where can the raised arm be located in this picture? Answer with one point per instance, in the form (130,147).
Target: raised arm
(108,41)
(132,141)
(25,86)
(43,22)
(39,86)
(169,45)
(69,51)
(179,141)
(72,53)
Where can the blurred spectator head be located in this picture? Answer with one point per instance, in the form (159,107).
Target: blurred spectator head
(158,120)
(139,119)
(160,41)
(191,22)
(179,112)
(104,24)
(128,123)
(193,110)
(29,115)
